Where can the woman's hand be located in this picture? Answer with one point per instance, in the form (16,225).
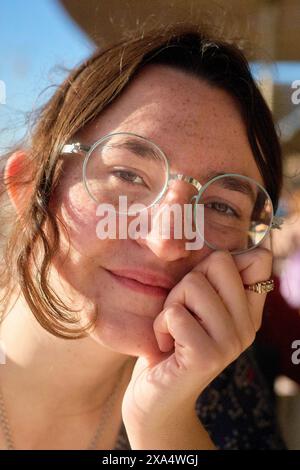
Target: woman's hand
(208,320)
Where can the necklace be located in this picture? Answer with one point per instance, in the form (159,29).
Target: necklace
(4,422)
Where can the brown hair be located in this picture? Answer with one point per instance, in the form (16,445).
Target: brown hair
(29,248)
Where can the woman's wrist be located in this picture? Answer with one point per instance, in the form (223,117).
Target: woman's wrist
(178,432)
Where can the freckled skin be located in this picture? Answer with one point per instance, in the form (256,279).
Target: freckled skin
(200,129)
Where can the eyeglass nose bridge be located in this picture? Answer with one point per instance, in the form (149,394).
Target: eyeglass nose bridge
(187,179)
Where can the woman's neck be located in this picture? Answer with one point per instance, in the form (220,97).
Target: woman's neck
(72,375)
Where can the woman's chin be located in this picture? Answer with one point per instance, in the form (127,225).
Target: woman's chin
(128,334)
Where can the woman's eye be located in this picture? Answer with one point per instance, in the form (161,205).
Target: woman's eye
(129,176)
(222,208)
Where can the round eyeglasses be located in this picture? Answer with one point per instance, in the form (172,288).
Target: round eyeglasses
(238,211)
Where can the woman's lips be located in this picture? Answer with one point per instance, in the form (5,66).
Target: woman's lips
(137,286)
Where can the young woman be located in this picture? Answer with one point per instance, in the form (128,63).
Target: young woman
(105,336)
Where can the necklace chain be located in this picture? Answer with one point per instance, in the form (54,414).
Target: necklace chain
(4,422)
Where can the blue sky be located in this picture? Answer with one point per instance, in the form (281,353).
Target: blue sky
(35,37)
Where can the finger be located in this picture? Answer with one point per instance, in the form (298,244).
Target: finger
(197,294)
(255,266)
(221,271)
(191,342)
(267,242)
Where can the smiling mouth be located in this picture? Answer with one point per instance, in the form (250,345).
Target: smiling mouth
(137,286)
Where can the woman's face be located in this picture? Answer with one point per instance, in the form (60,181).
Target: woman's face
(201,131)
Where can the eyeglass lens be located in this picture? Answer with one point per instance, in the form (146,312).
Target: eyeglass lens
(237,213)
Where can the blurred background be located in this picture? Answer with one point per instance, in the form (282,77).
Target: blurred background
(40,40)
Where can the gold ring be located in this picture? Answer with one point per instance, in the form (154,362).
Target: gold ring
(262,287)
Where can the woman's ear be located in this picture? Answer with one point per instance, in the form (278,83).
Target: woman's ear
(18,187)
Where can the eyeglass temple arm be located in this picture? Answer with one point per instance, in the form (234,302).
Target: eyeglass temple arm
(277,222)
(77,148)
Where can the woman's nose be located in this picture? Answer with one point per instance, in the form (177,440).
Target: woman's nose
(171,224)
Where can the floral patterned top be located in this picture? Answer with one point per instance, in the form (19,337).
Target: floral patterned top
(236,409)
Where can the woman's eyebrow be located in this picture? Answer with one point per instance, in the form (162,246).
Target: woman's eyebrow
(139,148)
(235,184)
